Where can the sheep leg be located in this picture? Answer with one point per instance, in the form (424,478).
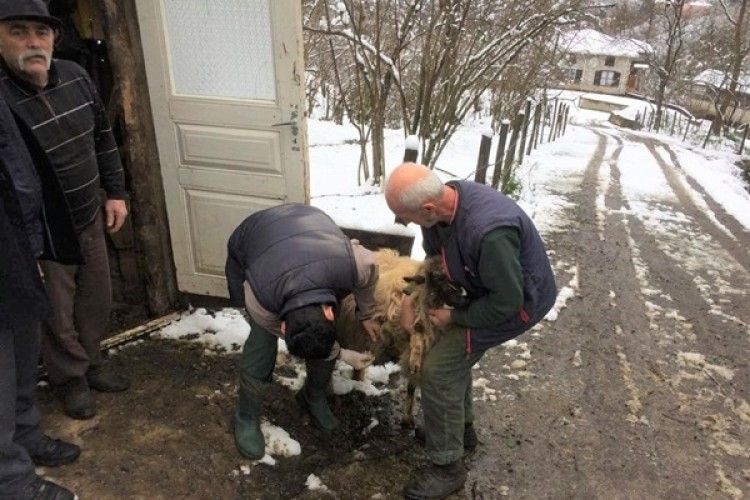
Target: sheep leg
(407,419)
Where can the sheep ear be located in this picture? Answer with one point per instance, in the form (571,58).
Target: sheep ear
(418,279)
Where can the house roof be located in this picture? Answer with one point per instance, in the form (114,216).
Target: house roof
(592,42)
(716,78)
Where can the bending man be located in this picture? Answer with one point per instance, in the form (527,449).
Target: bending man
(289,266)
(492,249)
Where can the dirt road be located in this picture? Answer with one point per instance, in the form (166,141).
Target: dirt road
(637,390)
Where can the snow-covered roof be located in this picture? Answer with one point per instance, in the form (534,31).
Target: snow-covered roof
(717,78)
(592,42)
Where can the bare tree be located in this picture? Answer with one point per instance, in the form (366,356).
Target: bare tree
(738,52)
(665,60)
(425,62)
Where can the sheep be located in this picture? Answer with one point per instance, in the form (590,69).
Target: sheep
(430,290)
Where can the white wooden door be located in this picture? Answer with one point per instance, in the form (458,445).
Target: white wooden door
(226,85)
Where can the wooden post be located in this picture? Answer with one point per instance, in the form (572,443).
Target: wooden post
(508,166)
(744,137)
(525,131)
(149,213)
(483,159)
(535,129)
(553,118)
(565,118)
(558,121)
(545,109)
(687,128)
(411,147)
(500,153)
(674,121)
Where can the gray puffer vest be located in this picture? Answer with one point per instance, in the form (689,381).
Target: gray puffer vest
(292,256)
(481,210)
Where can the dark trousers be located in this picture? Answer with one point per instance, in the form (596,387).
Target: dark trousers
(259,353)
(82,300)
(447,397)
(20,422)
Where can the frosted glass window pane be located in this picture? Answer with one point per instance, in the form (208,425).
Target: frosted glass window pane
(221,48)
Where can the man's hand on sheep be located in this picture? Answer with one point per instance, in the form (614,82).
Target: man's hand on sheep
(440,317)
(357,360)
(372,328)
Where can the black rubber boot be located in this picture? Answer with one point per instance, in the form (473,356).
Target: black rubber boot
(437,481)
(313,395)
(470,436)
(247,434)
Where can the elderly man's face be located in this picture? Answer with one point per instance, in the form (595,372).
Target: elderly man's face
(26,47)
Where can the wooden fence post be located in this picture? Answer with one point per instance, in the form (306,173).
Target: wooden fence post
(411,149)
(500,153)
(553,118)
(744,137)
(535,129)
(687,129)
(524,131)
(508,166)
(483,160)
(565,118)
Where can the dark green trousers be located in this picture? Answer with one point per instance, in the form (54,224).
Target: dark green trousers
(259,353)
(447,398)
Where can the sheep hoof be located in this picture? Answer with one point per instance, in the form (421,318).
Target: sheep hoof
(407,422)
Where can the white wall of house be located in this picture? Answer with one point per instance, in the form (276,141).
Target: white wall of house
(596,75)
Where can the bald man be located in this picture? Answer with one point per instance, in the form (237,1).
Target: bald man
(491,248)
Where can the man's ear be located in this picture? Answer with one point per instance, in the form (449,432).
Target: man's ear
(429,207)
(328,311)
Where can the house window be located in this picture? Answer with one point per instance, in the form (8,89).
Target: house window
(572,75)
(609,61)
(607,78)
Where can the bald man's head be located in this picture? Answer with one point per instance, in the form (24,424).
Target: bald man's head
(410,185)
(412,192)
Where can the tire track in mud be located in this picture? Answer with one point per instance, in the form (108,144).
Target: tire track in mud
(594,407)
(627,343)
(706,364)
(728,220)
(630,393)
(736,246)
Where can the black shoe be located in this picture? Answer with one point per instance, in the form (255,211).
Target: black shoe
(78,402)
(103,379)
(53,452)
(470,436)
(436,481)
(41,489)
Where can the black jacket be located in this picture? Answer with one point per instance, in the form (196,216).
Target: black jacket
(292,256)
(70,123)
(22,295)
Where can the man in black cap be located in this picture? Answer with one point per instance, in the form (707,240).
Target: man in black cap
(31,225)
(289,266)
(58,101)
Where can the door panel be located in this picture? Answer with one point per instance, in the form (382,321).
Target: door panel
(226,92)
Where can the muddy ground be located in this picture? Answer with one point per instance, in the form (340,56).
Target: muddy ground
(637,390)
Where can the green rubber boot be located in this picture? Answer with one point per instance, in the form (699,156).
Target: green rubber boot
(247,435)
(312,396)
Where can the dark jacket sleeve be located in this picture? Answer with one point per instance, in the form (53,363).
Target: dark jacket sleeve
(22,295)
(111,172)
(500,272)
(60,239)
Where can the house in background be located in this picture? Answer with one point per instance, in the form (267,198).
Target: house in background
(705,90)
(594,62)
